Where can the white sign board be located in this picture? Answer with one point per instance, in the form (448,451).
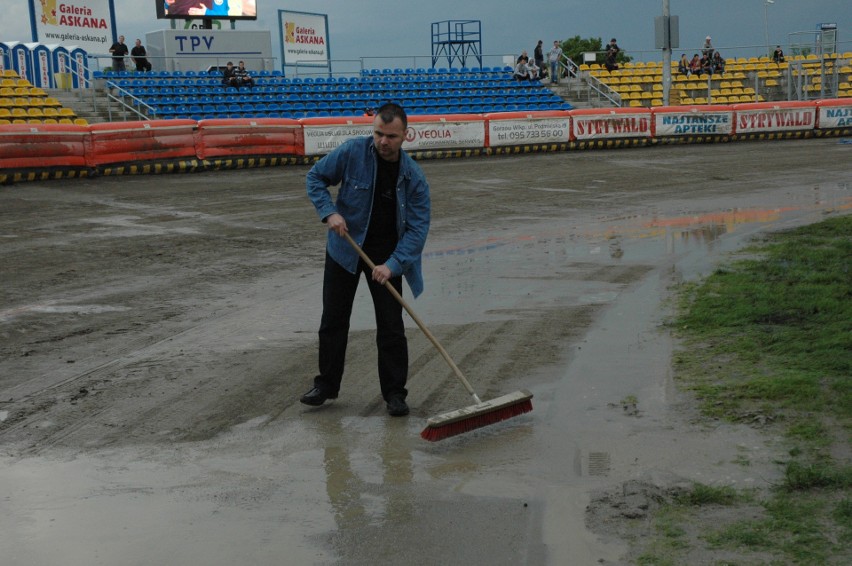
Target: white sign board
(304,38)
(777,119)
(444,135)
(321,139)
(699,123)
(835,117)
(198,49)
(87,24)
(611,126)
(526,131)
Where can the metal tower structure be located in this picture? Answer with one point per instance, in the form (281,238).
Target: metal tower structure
(457,40)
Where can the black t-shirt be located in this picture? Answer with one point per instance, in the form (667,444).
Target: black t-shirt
(381,233)
(118,49)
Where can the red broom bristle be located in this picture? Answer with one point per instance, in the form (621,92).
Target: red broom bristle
(442,431)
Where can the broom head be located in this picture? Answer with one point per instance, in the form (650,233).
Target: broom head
(477,416)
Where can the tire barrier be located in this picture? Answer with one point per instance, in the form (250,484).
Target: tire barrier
(248,137)
(136,143)
(32,152)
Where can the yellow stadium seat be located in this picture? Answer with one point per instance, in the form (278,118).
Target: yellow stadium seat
(51,112)
(24,83)
(66,112)
(10,73)
(720,100)
(6,102)
(657,102)
(19,121)
(635,104)
(35,112)
(49,121)
(22,91)
(81,122)
(7,91)
(65,121)
(5,113)
(34,121)
(50,101)
(4,122)
(700,100)
(19,113)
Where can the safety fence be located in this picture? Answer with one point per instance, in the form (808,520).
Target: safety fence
(54,151)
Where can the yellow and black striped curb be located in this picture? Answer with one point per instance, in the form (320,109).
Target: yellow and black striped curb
(151,168)
(9,177)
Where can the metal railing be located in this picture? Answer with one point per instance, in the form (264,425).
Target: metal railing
(121,96)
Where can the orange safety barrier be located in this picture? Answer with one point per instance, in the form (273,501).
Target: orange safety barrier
(136,142)
(37,146)
(249,136)
(527,128)
(775,117)
(690,121)
(595,124)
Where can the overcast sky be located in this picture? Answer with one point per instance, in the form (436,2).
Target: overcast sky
(376,28)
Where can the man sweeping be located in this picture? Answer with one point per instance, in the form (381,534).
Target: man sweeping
(383,203)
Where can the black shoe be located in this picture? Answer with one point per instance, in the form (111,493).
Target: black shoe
(315,397)
(397,407)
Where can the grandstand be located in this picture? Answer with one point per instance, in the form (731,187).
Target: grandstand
(201,95)
(22,103)
(744,80)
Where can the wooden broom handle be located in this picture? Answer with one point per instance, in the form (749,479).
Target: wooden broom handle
(416,318)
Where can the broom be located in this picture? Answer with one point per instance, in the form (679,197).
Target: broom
(468,418)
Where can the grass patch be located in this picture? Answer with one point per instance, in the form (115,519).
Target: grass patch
(768,340)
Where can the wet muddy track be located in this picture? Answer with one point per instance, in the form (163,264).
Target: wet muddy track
(159,313)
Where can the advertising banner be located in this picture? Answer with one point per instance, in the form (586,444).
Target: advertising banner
(88,24)
(612,124)
(528,130)
(835,114)
(431,133)
(321,138)
(693,122)
(304,38)
(780,117)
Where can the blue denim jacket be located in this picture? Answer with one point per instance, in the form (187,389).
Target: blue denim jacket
(353,166)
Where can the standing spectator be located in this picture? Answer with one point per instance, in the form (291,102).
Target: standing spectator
(683,66)
(538,56)
(778,55)
(611,55)
(243,77)
(139,56)
(119,52)
(554,57)
(707,49)
(389,215)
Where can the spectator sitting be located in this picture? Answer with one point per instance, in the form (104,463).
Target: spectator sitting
(778,55)
(522,72)
(717,64)
(683,65)
(611,55)
(706,67)
(139,56)
(243,77)
(695,65)
(229,77)
(533,70)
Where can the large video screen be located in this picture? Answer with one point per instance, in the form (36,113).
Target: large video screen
(213,9)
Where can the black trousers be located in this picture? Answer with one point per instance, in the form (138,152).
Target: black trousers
(338,296)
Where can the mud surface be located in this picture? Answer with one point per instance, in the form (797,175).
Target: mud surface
(156,333)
